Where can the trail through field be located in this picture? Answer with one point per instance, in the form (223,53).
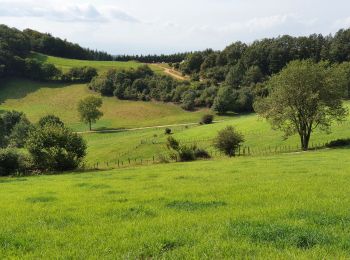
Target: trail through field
(140,128)
(171,72)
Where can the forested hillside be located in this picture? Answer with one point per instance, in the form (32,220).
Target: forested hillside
(15,47)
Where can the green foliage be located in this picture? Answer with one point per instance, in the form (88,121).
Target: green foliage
(11,162)
(55,148)
(185,153)
(79,74)
(88,109)
(50,120)
(188,100)
(228,141)
(46,43)
(303,97)
(14,128)
(233,100)
(338,143)
(19,133)
(172,143)
(344,70)
(193,63)
(207,119)
(167,131)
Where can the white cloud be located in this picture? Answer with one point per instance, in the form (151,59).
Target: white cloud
(67,12)
(342,23)
(157,26)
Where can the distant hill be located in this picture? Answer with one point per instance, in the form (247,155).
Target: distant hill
(16,46)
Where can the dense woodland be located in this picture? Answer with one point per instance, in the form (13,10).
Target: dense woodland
(229,80)
(15,47)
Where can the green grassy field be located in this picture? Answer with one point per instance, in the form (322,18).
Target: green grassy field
(145,144)
(39,99)
(278,207)
(102,66)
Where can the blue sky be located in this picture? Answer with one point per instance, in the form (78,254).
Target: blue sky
(164,26)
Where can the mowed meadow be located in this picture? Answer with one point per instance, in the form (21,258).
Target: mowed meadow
(252,207)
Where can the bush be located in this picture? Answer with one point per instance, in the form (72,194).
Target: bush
(201,153)
(228,141)
(56,148)
(11,162)
(51,120)
(167,131)
(338,143)
(207,119)
(19,133)
(186,154)
(172,143)
(14,127)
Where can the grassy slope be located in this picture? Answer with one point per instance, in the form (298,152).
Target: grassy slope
(146,143)
(102,66)
(287,206)
(38,99)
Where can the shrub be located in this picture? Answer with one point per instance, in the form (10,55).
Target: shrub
(228,141)
(56,148)
(201,153)
(207,119)
(11,162)
(50,119)
(14,127)
(167,131)
(186,154)
(19,133)
(338,143)
(172,143)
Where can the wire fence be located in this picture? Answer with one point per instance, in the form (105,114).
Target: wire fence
(165,156)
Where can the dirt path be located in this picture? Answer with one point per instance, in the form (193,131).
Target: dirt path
(140,128)
(175,74)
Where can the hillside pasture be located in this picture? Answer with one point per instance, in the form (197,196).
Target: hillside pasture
(102,66)
(39,99)
(148,143)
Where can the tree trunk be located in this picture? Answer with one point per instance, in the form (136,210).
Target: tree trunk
(90,125)
(304,140)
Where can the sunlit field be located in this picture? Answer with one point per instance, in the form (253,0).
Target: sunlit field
(286,206)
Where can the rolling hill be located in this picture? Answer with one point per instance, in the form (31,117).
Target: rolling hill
(39,99)
(65,64)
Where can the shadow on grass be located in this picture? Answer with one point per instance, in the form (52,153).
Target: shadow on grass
(106,130)
(17,88)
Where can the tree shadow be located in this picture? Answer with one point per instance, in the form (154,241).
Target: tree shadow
(108,130)
(233,114)
(16,88)
(38,56)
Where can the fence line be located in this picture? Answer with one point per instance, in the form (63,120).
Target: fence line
(243,151)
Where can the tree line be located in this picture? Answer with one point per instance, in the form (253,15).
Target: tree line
(16,45)
(240,71)
(163,58)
